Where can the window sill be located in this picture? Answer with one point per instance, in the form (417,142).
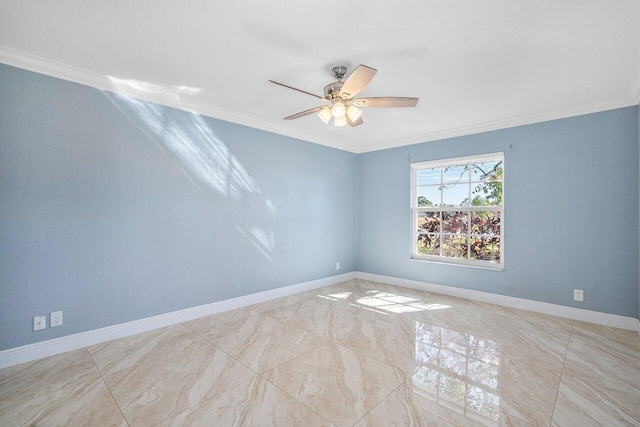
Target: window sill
(494,267)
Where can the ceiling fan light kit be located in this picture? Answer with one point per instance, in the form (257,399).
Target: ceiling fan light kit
(353,113)
(340,96)
(340,121)
(338,109)
(325,115)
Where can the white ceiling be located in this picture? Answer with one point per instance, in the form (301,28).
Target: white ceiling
(475,65)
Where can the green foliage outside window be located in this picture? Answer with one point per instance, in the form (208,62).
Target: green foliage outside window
(458,234)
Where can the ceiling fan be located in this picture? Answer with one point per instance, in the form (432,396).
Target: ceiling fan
(343,107)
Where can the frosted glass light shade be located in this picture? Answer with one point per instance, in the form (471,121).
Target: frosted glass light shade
(338,109)
(353,113)
(325,114)
(340,121)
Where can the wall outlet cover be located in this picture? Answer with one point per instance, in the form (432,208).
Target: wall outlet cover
(56,318)
(337,266)
(578,295)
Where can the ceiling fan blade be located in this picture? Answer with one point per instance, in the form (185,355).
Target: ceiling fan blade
(360,77)
(305,113)
(354,123)
(388,102)
(300,90)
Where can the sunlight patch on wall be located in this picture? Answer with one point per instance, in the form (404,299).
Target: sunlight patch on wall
(137,87)
(260,239)
(201,154)
(197,150)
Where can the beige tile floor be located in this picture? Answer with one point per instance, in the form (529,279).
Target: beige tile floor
(357,353)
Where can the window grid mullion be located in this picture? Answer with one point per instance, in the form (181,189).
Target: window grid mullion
(441,210)
(469,217)
(460,209)
(414,211)
(441,237)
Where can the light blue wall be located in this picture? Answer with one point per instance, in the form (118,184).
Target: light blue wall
(113,209)
(571,212)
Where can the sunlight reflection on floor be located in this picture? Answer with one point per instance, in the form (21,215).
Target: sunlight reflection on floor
(387,301)
(460,374)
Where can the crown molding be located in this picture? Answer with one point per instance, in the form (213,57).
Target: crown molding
(503,124)
(59,70)
(102,82)
(52,68)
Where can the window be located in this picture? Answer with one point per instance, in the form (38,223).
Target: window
(457,210)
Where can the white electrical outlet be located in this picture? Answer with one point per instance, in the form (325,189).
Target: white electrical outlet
(578,295)
(39,322)
(337,266)
(56,318)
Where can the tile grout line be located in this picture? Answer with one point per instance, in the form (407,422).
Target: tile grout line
(458,333)
(332,341)
(291,360)
(370,320)
(253,370)
(474,321)
(372,358)
(297,400)
(393,322)
(137,346)
(562,369)
(329,341)
(411,374)
(561,373)
(547,352)
(355,351)
(383,399)
(222,392)
(387,362)
(261,375)
(198,333)
(107,385)
(409,377)
(218,348)
(202,402)
(195,404)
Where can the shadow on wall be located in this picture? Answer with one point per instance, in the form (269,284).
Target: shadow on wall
(197,151)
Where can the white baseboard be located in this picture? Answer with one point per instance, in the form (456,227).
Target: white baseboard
(613,320)
(27,353)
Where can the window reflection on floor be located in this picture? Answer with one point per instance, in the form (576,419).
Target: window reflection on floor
(461,375)
(459,372)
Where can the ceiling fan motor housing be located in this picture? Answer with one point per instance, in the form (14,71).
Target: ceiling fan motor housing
(332,90)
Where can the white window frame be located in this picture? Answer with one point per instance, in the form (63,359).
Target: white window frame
(415,210)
